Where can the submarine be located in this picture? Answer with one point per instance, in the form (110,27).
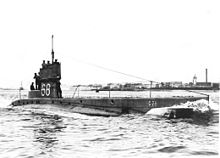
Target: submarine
(47,90)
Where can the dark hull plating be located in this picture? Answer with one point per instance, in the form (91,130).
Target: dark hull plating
(108,106)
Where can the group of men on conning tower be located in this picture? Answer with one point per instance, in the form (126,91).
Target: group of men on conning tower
(37,82)
(48,80)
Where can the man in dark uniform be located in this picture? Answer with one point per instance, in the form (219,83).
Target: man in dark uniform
(37,81)
(32,86)
(59,91)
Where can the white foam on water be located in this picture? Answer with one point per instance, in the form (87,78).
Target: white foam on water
(201,106)
(214,105)
(7,97)
(4,102)
(158,111)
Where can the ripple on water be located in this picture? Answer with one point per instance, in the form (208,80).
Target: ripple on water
(204,153)
(171,149)
(103,139)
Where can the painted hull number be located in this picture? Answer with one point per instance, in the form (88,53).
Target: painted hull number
(45,89)
(152,103)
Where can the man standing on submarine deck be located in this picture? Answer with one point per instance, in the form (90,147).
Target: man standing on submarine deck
(59,91)
(37,81)
(32,86)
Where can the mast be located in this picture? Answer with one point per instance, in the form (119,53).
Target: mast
(52,53)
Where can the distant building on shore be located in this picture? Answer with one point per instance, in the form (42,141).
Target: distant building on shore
(194,85)
(173,84)
(204,84)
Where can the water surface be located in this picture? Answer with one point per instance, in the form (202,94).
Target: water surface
(53,132)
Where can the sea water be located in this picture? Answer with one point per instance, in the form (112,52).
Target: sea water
(51,132)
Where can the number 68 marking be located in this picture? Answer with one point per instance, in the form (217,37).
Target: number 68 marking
(45,89)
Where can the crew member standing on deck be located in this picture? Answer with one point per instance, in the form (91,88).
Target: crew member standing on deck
(32,86)
(37,81)
(59,91)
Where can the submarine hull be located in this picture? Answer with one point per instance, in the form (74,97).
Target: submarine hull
(108,106)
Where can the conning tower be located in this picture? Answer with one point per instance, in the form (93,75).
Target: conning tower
(47,81)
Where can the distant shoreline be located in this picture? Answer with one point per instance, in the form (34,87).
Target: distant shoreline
(154,89)
(10,89)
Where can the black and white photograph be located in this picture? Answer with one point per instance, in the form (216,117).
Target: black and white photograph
(109,79)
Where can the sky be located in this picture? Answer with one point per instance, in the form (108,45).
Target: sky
(159,40)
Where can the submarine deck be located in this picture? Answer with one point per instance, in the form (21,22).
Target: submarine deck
(112,105)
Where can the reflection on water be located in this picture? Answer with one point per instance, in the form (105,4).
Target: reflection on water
(45,134)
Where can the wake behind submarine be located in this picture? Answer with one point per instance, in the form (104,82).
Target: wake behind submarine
(47,90)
